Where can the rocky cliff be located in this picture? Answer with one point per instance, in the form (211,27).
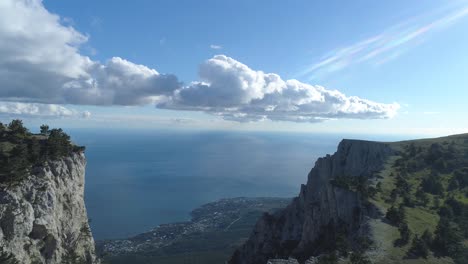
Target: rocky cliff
(322,211)
(43,218)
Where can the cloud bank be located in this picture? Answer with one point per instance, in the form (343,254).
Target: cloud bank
(41,67)
(234,91)
(41,110)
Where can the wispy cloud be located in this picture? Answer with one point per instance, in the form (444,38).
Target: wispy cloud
(384,47)
(216,47)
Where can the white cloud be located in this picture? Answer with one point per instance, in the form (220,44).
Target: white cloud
(41,66)
(119,82)
(86,114)
(216,47)
(40,62)
(40,110)
(232,90)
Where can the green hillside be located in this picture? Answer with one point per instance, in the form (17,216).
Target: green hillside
(424,192)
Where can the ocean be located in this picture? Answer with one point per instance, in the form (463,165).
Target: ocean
(136,180)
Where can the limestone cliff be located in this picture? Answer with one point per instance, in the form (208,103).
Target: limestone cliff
(311,220)
(43,218)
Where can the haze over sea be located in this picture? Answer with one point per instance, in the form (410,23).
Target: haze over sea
(139,179)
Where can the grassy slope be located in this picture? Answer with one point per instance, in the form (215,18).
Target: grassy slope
(419,218)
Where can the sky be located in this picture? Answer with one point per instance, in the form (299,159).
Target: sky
(374,67)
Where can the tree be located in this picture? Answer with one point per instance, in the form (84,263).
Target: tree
(45,130)
(16,128)
(396,216)
(393,196)
(405,234)
(402,185)
(427,237)
(58,143)
(379,187)
(372,191)
(462,176)
(34,150)
(422,197)
(446,211)
(392,215)
(432,184)
(419,248)
(411,150)
(402,213)
(18,162)
(448,237)
(453,185)
(408,201)
(436,202)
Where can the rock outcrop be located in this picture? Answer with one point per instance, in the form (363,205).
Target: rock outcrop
(43,217)
(306,226)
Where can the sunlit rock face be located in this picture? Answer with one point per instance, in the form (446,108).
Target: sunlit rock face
(43,218)
(305,227)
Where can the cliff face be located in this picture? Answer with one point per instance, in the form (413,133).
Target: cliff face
(43,218)
(311,221)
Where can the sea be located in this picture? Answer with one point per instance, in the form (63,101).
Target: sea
(136,180)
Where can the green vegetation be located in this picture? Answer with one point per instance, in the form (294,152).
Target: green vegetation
(362,185)
(21,150)
(424,192)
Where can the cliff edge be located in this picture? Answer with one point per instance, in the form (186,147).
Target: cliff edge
(323,212)
(43,218)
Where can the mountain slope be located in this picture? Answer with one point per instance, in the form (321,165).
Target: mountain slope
(373,199)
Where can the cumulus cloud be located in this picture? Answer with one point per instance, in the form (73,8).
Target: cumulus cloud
(40,62)
(40,110)
(119,82)
(233,91)
(41,67)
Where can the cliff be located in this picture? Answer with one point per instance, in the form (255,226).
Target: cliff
(322,211)
(43,217)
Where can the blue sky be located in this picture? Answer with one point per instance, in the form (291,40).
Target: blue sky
(413,54)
